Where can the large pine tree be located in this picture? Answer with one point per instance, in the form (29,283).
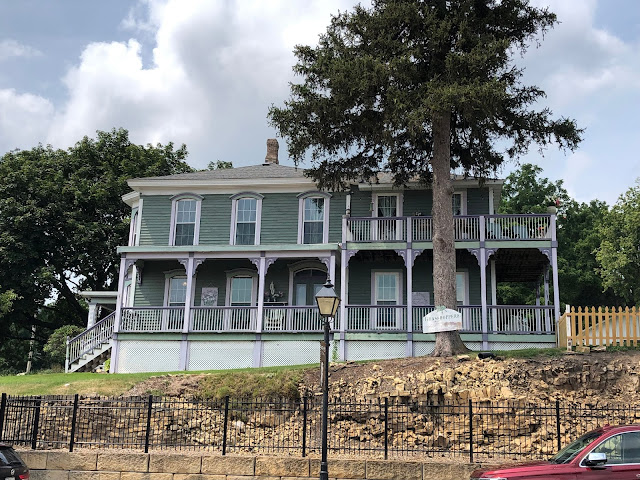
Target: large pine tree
(418,88)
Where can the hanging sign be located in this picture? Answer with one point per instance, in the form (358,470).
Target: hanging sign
(442,320)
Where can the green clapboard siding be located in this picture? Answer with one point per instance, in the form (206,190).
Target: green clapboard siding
(361,273)
(337,209)
(215,220)
(156,220)
(418,201)
(360,203)
(150,292)
(279,218)
(213,273)
(477,201)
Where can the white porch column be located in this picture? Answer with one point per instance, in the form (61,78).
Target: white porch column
(554,267)
(409,268)
(483,297)
(556,289)
(116,324)
(258,346)
(184,343)
(343,303)
(93,313)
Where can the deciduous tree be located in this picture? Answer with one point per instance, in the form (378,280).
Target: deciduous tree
(417,88)
(619,252)
(61,219)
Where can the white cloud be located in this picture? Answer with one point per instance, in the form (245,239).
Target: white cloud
(216,68)
(24,119)
(10,48)
(577,60)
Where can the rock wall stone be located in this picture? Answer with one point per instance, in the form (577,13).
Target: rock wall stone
(54,465)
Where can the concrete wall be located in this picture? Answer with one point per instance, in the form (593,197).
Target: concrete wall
(85,465)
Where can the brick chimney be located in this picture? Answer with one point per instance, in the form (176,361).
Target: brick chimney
(272,152)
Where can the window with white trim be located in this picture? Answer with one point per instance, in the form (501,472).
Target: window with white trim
(386,293)
(313,220)
(313,226)
(246,214)
(185,222)
(246,211)
(177,295)
(133,232)
(185,219)
(459,203)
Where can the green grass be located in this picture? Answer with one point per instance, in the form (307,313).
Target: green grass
(531,352)
(257,382)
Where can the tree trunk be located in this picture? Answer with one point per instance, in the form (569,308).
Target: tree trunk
(444,251)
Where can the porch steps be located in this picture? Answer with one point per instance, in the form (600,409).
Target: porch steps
(91,348)
(90,360)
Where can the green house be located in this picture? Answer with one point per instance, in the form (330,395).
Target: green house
(222,267)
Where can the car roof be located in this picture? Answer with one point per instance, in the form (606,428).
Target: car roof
(620,428)
(5,445)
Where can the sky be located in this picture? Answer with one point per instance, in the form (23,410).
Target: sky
(205,72)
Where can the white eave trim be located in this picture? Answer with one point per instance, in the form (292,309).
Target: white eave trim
(131,199)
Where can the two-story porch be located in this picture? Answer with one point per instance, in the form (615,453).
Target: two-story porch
(199,307)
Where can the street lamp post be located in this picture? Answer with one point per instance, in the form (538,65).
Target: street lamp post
(328,302)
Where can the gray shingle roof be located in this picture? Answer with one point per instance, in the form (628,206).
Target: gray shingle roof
(238,173)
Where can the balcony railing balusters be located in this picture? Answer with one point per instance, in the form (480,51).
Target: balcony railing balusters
(466,228)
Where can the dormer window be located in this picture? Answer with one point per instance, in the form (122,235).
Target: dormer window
(313,217)
(246,213)
(185,220)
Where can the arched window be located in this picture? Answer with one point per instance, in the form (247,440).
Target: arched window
(246,212)
(313,217)
(185,219)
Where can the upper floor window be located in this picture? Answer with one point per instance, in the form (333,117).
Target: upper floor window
(314,218)
(185,220)
(133,232)
(459,203)
(245,218)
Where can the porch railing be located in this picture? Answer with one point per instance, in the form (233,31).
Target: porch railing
(521,319)
(87,341)
(223,319)
(292,319)
(517,319)
(152,319)
(376,318)
(466,228)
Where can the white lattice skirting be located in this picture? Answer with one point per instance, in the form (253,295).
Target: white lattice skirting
(164,355)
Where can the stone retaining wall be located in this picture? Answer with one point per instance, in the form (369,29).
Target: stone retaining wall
(87,465)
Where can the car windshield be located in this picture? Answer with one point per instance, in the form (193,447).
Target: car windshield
(9,457)
(570,452)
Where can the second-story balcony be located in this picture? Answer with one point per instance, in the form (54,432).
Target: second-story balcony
(467,228)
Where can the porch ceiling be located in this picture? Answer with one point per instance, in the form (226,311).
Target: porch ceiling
(519,265)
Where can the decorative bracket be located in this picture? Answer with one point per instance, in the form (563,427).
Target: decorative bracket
(255,261)
(139,267)
(490,252)
(184,262)
(268,262)
(546,252)
(476,253)
(403,254)
(326,261)
(350,254)
(415,254)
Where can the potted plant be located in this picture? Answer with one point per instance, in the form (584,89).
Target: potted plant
(552,204)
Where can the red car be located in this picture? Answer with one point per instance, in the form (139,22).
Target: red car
(606,453)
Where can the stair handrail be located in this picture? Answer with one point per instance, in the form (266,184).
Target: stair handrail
(91,338)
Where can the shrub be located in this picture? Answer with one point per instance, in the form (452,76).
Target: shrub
(56,346)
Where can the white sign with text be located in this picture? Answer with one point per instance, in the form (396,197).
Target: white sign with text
(442,320)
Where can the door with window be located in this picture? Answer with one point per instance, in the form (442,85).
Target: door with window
(388,227)
(176,299)
(386,314)
(306,283)
(242,295)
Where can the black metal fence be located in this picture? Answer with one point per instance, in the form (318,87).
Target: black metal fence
(383,428)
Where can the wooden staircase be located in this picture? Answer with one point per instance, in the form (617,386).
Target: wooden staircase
(91,348)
